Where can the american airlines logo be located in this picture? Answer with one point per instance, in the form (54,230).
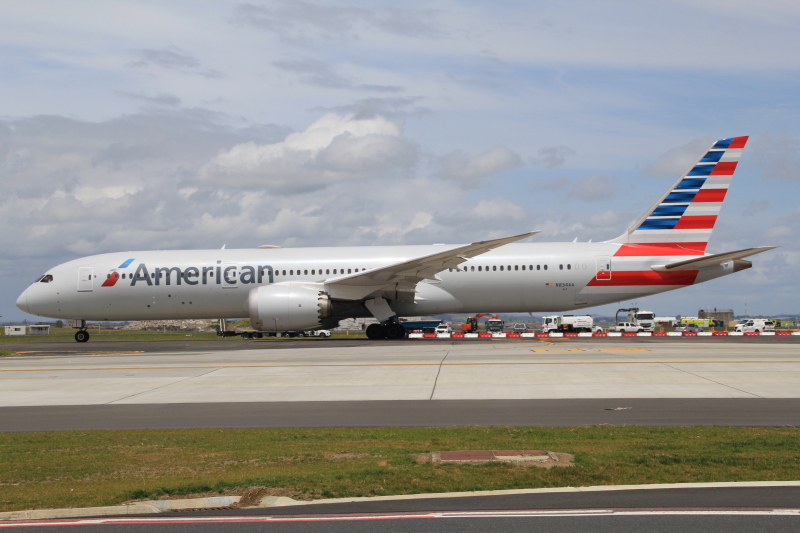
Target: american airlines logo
(219,274)
(114,276)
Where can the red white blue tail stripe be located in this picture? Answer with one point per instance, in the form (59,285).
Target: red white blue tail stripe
(685,216)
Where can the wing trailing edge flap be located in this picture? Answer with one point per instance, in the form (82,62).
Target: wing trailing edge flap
(712,260)
(402,278)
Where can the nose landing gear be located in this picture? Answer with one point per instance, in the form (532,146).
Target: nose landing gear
(82,335)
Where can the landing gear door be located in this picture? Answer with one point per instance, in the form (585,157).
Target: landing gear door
(603,268)
(85,282)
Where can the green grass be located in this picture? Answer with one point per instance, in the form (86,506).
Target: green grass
(86,468)
(6,352)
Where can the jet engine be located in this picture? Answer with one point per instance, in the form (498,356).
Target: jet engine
(287,307)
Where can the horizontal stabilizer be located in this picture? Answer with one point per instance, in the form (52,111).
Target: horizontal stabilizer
(712,260)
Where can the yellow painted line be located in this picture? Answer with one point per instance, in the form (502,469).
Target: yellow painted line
(557,350)
(540,363)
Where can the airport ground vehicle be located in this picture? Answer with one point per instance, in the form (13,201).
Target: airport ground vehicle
(495,325)
(756,325)
(302,289)
(577,323)
(626,327)
(688,327)
(520,328)
(471,324)
(644,319)
(443,328)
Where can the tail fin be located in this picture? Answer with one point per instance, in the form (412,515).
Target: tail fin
(685,216)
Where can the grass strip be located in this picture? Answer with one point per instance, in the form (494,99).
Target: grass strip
(88,468)
(6,352)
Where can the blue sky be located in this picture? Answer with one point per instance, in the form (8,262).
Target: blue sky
(151,125)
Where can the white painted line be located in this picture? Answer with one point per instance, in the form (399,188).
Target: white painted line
(768,333)
(470,335)
(584,334)
(735,333)
(704,334)
(614,334)
(415,335)
(556,334)
(443,335)
(498,335)
(527,335)
(644,334)
(674,334)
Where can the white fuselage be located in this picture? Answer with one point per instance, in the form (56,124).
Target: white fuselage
(216,283)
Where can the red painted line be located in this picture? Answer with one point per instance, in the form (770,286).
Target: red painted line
(646,277)
(667,248)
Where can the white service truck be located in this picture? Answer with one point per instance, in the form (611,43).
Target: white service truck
(643,320)
(571,323)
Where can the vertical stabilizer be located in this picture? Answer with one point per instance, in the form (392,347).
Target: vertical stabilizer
(685,215)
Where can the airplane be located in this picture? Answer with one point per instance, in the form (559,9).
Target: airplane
(301,289)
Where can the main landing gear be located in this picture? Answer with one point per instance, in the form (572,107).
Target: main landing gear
(388,330)
(81,335)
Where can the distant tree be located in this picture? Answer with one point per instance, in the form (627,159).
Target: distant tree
(59,324)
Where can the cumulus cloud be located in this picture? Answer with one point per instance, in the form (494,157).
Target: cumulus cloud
(171,59)
(678,160)
(552,157)
(471,171)
(555,184)
(498,208)
(755,207)
(320,74)
(333,149)
(300,22)
(594,188)
(778,155)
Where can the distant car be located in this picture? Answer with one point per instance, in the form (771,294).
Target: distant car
(443,328)
(626,327)
(690,328)
(520,328)
(321,333)
(756,325)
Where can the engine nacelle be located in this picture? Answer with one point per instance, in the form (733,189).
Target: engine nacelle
(287,307)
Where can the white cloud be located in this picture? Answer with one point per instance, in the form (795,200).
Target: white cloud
(471,171)
(498,208)
(678,160)
(595,188)
(333,149)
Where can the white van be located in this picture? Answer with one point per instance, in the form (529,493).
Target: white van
(757,325)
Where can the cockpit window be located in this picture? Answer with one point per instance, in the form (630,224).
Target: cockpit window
(47,278)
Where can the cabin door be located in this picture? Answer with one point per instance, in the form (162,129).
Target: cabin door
(603,268)
(85,281)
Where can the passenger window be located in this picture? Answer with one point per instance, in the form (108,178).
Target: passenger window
(494,268)
(545,267)
(509,267)
(516,267)
(561,267)
(480,269)
(123,276)
(108,276)
(523,267)
(348,271)
(501,268)
(284,272)
(305,272)
(569,267)
(472,269)
(334,271)
(327,270)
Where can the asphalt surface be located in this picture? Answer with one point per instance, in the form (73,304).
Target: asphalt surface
(692,510)
(97,344)
(752,412)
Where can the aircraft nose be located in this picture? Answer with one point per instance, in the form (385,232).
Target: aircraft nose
(22,301)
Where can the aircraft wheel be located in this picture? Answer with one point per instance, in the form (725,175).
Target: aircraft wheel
(81,336)
(376,331)
(395,331)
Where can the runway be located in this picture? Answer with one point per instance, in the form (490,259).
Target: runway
(322,384)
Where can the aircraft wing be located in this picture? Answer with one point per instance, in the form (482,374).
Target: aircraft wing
(711,260)
(405,275)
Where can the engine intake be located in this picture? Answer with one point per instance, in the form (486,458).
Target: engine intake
(287,307)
